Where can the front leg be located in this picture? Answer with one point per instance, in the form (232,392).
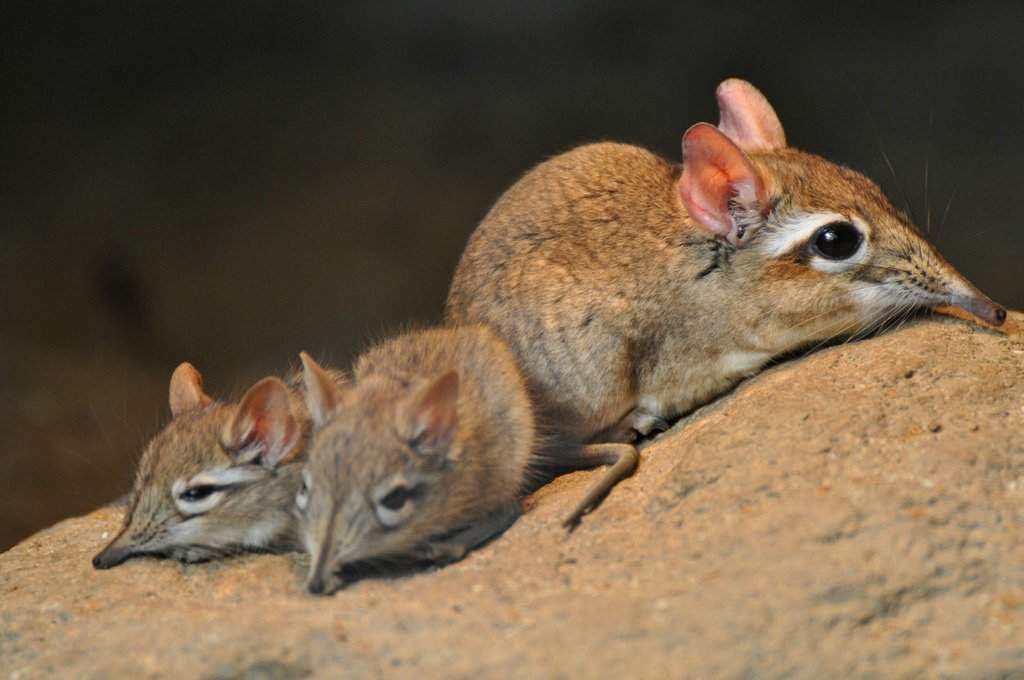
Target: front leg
(196,554)
(453,548)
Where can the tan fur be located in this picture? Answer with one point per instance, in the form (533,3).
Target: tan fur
(367,443)
(255,515)
(613,298)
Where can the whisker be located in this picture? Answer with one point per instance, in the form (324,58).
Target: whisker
(967,175)
(927,158)
(809,320)
(878,141)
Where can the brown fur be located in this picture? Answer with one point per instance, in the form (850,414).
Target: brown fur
(614,299)
(367,443)
(255,515)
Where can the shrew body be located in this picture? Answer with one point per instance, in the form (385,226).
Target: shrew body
(633,289)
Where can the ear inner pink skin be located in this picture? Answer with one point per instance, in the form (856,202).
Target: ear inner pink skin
(274,438)
(715,171)
(747,118)
(186,390)
(435,414)
(265,416)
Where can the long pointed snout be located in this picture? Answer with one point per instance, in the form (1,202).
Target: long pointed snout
(317,585)
(980,306)
(114,554)
(962,293)
(322,579)
(321,570)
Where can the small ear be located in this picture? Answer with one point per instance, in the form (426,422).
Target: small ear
(747,118)
(186,390)
(264,427)
(322,394)
(715,174)
(433,415)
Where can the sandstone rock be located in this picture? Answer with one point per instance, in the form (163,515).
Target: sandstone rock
(854,513)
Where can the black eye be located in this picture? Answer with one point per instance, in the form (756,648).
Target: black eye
(198,493)
(396,498)
(837,241)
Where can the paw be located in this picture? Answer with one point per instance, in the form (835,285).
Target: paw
(637,423)
(646,423)
(194,556)
(443,551)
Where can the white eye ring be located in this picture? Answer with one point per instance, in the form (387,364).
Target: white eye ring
(199,505)
(302,497)
(394,503)
(801,230)
(210,486)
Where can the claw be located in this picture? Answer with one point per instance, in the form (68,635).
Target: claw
(635,424)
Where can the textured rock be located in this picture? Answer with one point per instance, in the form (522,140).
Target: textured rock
(855,513)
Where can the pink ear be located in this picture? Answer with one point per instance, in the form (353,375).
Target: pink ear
(433,416)
(263,427)
(747,118)
(186,390)
(716,172)
(322,395)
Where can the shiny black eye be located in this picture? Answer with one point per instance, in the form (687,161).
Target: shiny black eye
(396,498)
(198,493)
(837,241)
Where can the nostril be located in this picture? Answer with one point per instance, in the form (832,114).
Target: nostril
(983,308)
(316,586)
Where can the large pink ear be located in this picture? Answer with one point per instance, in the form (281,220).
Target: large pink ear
(186,390)
(432,415)
(719,183)
(264,427)
(747,118)
(322,395)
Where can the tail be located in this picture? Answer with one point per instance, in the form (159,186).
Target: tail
(623,459)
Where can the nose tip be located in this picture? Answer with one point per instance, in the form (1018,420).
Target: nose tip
(109,557)
(988,311)
(983,308)
(316,586)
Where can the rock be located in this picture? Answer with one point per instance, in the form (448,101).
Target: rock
(854,513)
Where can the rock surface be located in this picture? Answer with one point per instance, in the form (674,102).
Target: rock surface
(854,513)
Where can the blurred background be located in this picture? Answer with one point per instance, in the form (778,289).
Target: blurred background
(230,183)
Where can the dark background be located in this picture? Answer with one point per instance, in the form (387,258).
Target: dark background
(232,184)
